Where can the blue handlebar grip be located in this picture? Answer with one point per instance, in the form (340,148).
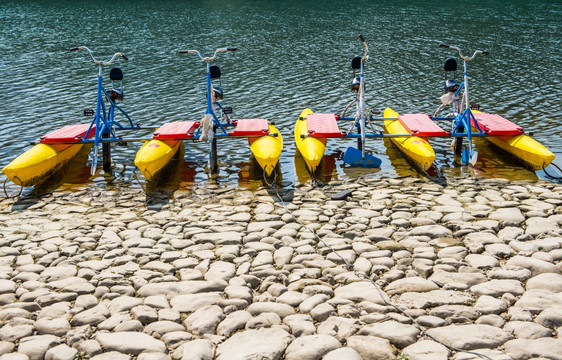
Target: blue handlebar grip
(74,49)
(231,49)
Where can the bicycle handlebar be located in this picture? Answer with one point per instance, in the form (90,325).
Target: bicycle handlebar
(98,61)
(461,55)
(207,59)
(366,47)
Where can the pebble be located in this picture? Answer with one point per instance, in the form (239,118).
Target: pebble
(229,274)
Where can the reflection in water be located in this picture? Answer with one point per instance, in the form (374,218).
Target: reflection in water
(325,172)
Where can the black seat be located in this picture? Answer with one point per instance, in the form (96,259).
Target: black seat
(356,63)
(215,72)
(116,74)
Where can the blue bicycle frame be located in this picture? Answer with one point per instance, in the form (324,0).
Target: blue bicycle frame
(104,119)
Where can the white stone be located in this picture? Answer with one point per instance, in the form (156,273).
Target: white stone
(311,347)
(129,342)
(264,343)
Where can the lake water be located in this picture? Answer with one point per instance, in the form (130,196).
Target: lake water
(291,55)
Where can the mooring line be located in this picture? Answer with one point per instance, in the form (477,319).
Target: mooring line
(382,294)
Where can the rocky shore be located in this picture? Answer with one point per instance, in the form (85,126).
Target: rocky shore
(398,270)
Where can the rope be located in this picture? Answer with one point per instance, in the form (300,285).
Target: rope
(558,178)
(6,192)
(134,176)
(361,275)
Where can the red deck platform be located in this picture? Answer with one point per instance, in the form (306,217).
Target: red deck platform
(493,124)
(421,125)
(176,130)
(250,127)
(68,134)
(323,125)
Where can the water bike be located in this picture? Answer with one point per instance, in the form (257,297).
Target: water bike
(55,149)
(264,139)
(313,129)
(468,121)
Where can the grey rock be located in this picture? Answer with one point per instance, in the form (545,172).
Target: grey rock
(160,328)
(129,342)
(301,325)
(280,309)
(57,326)
(153,356)
(111,355)
(507,216)
(192,302)
(371,347)
(527,330)
(469,337)
(200,349)
(426,350)
(172,289)
(550,318)
(346,353)
(410,284)
(523,349)
(339,327)
(6,347)
(292,298)
(310,303)
(435,298)
(61,352)
(497,288)
(360,291)
(14,356)
(536,266)
(546,281)
(311,347)
(92,316)
(267,319)
(14,332)
(536,300)
(490,305)
(233,322)
(540,225)
(204,320)
(261,344)
(480,261)
(491,319)
(400,335)
(36,346)
(123,303)
(478,354)
(220,270)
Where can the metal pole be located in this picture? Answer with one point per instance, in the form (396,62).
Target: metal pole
(106,152)
(214,158)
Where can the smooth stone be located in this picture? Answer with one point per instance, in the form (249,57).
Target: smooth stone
(491,319)
(339,327)
(478,354)
(400,335)
(433,231)
(371,347)
(550,318)
(153,356)
(233,322)
(282,310)
(536,300)
(12,333)
(172,289)
(469,337)
(546,281)
(267,319)
(435,298)
(220,270)
(480,261)
(61,352)
(497,288)
(507,216)
(129,342)
(162,327)
(123,303)
(426,350)
(489,305)
(450,279)
(6,347)
(310,303)
(292,298)
(300,325)
(92,316)
(192,302)
(410,284)
(527,330)
(539,225)
(263,343)
(523,349)
(14,356)
(360,291)
(57,326)
(200,349)
(36,346)
(111,355)
(204,320)
(536,266)
(346,353)
(311,347)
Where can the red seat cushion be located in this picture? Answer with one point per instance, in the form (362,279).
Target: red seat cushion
(68,134)
(421,125)
(323,125)
(250,127)
(176,130)
(494,124)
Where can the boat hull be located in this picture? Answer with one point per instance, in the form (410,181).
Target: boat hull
(529,151)
(154,155)
(311,148)
(417,149)
(37,163)
(267,149)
